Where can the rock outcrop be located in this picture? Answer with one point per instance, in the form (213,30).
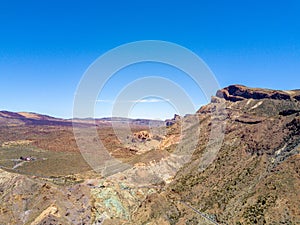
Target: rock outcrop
(142,136)
(172,121)
(238,93)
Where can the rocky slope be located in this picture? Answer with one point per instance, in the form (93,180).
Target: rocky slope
(236,161)
(255,176)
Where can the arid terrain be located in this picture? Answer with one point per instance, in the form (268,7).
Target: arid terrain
(235,161)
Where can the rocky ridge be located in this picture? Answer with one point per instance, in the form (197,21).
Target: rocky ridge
(236,93)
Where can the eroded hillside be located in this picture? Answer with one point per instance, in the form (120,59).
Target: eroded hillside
(255,177)
(236,161)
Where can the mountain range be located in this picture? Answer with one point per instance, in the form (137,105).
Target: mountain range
(235,161)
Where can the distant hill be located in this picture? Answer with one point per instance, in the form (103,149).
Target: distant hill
(29,118)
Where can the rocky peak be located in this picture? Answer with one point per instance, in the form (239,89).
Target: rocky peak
(236,93)
(172,121)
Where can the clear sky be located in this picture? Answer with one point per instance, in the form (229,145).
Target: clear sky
(46,46)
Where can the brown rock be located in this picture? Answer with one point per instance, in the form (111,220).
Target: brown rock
(236,93)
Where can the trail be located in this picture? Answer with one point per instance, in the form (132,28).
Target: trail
(18,165)
(199,213)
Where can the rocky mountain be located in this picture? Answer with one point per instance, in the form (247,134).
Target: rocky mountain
(255,176)
(235,161)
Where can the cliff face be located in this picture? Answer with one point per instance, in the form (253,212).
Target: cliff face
(239,93)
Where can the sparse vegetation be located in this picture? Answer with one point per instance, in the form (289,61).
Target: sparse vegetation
(252,179)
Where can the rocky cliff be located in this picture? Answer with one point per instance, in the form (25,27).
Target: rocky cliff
(238,93)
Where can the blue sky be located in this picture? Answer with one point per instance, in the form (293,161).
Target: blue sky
(46,46)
